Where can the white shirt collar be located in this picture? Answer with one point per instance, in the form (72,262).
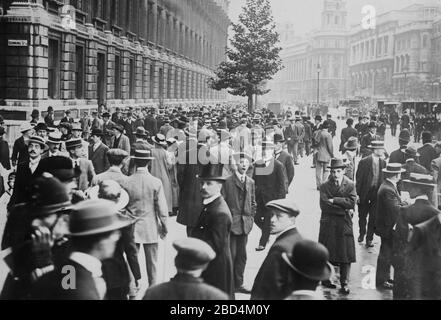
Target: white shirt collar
(90,263)
(206,202)
(240,176)
(142,170)
(422,197)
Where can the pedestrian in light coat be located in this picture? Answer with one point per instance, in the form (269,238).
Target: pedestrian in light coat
(325,152)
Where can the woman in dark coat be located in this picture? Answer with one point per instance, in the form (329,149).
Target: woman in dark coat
(337,202)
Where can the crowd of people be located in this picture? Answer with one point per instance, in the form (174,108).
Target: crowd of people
(84,197)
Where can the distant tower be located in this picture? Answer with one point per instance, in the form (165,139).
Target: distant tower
(334,15)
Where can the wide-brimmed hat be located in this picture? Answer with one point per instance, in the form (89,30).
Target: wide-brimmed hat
(337,164)
(143,155)
(213,172)
(54,138)
(394,168)
(41,126)
(25,127)
(60,167)
(376,145)
(113,189)
(310,260)
(193,254)
(93,217)
(37,140)
(278,138)
(49,196)
(160,140)
(421,179)
(141,132)
(412,151)
(74,143)
(97,132)
(351,144)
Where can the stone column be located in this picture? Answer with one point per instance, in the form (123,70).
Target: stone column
(139,77)
(110,92)
(125,71)
(91,65)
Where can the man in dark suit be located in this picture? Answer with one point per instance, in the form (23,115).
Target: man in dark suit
(388,206)
(239,194)
(4,150)
(214,227)
(271,184)
(274,279)
(98,152)
(368,138)
(92,242)
(49,118)
(130,127)
(289,137)
(332,125)
(427,151)
(346,133)
(284,157)
(399,156)
(308,135)
(193,258)
(150,124)
(406,260)
(369,177)
(67,118)
(20,149)
(107,128)
(412,165)
(324,154)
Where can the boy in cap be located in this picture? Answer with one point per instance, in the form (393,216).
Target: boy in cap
(192,259)
(87,172)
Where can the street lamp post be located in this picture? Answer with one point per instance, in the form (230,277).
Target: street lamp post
(318,84)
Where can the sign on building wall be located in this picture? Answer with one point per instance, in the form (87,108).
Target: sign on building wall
(17,43)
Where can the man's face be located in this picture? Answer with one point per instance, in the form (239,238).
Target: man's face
(34,150)
(42,133)
(280,221)
(278,146)
(210,188)
(373,130)
(337,174)
(76,134)
(76,152)
(116,132)
(243,165)
(106,119)
(379,152)
(95,139)
(64,130)
(53,147)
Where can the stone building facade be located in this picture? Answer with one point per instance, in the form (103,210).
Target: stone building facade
(301,80)
(78,54)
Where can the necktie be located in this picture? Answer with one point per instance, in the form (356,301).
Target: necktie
(337,184)
(242,179)
(100,286)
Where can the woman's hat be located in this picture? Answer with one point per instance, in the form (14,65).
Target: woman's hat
(143,155)
(310,260)
(351,144)
(93,217)
(213,172)
(394,168)
(376,145)
(160,140)
(110,189)
(337,164)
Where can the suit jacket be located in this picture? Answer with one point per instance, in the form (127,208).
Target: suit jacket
(325,148)
(107,127)
(397,156)
(49,121)
(299,132)
(427,155)
(366,141)
(4,155)
(214,227)
(87,174)
(347,133)
(289,134)
(271,184)
(151,125)
(49,287)
(130,128)
(364,177)
(123,143)
(308,132)
(20,151)
(22,182)
(388,207)
(114,174)
(274,279)
(241,200)
(288,163)
(184,287)
(99,158)
(148,204)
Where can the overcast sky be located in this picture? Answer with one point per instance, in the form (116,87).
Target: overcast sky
(306,14)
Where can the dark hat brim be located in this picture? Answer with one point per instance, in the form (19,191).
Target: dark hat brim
(48,210)
(325,274)
(117,225)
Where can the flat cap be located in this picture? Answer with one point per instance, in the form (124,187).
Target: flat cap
(285,205)
(192,254)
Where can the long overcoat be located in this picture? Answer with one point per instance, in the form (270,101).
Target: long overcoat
(336,231)
(161,166)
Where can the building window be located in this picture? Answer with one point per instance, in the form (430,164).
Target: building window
(54,69)
(144,79)
(183,84)
(101,77)
(152,81)
(79,72)
(117,77)
(131,78)
(176,84)
(114,12)
(98,9)
(169,83)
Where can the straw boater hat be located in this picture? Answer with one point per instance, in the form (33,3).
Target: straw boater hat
(37,140)
(376,145)
(143,155)
(74,143)
(25,127)
(160,140)
(76,127)
(394,168)
(421,180)
(54,138)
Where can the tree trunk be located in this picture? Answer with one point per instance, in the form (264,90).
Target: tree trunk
(255,100)
(250,103)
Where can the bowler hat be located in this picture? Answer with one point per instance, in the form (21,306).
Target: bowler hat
(310,260)
(278,138)
(35,112)
(285,205)
(74,143)
(351,144)
(421,180)
(37,140)
(376,145)
(318,118)
(160,140)
(404,136)
(427,137)
(93,217)
(60,167)
(106,115)
(193,254)
(97,132)
(213,172)
(49,196)
(394,168)
(54,138)
(412,152)
(143,155)
(337,164)
(41,126)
